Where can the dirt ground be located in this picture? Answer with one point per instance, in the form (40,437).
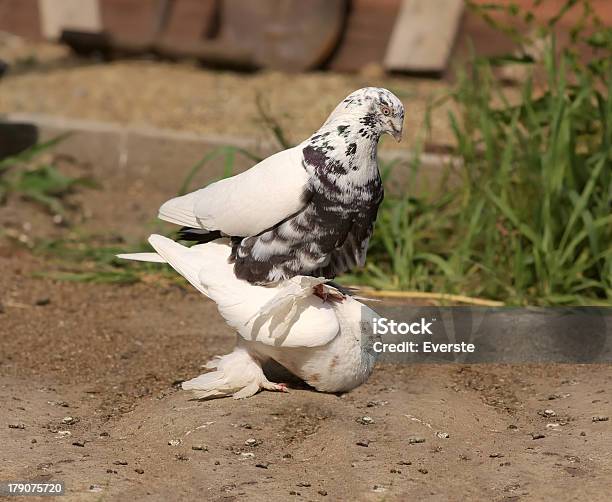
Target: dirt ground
(89,395)
(109,357)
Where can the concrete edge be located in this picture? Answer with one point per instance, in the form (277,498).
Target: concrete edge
(52,122)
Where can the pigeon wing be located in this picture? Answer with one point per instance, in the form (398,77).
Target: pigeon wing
(248,203)
(287,315)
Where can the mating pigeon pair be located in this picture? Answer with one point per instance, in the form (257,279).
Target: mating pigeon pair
(271,237)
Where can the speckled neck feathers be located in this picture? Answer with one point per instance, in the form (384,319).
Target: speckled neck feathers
(342,156)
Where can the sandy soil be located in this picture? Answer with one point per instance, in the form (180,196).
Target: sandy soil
(109,357)
(88,395)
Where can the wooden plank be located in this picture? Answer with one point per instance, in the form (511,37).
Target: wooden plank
(58,15)
(423,35)
(288,35)
(190,21)
(134,23)
(20,17)
(366,34)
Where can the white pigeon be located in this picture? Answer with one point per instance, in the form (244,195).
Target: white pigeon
(326,344)
(308,210)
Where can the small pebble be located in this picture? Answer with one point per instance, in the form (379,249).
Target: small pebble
(251,442)
(365,420)
(293,492)
(536,435)
(16,426)
(442,435)
(305,484)
(78,443)
(372,404)
(416,440)
(181,457)
(174,442)
(41,302)
(600,418)
(513,427)
(404,462)
(423,471)
(33,441)
(263,465)
(323,493)
(217,462)
(287,455)
(247,455)
(496,455)
(548,413)
(69,420)
(199,447)
(95,488)
(120,462)
(583,433)
(365,443)
(395,471)
(139,471)
(63,404)
(111,471)
(379,489)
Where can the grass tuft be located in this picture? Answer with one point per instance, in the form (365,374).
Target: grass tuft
(526,217)
(31,178)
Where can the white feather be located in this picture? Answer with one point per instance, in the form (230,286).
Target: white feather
(245,204)
(148,257)
(180,210)
(237,374)
(206,267)
(283,308)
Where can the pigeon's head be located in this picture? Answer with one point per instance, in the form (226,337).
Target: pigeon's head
(374,107)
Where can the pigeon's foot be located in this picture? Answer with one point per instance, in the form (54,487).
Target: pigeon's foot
(237,374)
(328,295)
(278,387)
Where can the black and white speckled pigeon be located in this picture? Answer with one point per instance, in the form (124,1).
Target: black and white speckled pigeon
(308,210)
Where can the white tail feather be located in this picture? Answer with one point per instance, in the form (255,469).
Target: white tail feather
(148,257)
(179,257)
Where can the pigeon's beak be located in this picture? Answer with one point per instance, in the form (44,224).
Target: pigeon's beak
(395,131)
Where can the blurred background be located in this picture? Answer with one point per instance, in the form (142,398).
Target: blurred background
(500,192)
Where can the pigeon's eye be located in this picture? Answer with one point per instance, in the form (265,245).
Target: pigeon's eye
(386,111)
